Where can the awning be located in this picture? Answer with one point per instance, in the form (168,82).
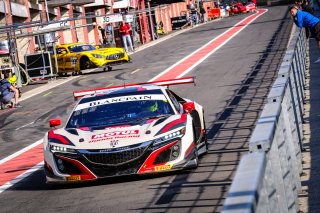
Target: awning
(99,4)
(56,3)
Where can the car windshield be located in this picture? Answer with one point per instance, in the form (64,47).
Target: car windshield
(119,110)
(81,48)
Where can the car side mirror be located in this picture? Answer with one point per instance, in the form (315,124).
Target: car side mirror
(63,52)
(188,107)
(97,47)
(54,122)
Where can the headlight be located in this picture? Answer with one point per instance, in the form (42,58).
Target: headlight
(97,56)
(112,57)
(176,134)
(55,148)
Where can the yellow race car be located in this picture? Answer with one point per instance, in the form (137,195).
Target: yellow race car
(75,57)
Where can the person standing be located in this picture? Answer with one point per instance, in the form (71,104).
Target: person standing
(307,20)
(125,30)
(194,14)
(109,34)
(103,35)
(203,14)
(9,92)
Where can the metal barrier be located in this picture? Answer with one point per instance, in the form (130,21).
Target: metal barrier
(268,178)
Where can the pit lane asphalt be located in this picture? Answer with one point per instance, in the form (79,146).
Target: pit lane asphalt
(220,78)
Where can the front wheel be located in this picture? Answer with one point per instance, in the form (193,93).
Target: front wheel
(85,63)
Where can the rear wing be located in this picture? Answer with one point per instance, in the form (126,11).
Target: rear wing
(170,82)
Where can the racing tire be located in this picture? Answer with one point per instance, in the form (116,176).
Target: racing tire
(85,63)
(196,156)
(205,137)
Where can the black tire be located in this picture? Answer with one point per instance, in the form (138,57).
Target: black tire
(196,156)
(85,63)
(205,136)
(109,68)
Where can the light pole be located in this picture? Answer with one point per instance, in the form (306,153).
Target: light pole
(46,5)
(151,21)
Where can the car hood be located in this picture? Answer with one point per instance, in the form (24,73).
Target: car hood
(107,51)
(124,135)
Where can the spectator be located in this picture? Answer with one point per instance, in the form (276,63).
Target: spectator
(203,14)
(103,35)
(126,37)
(9,92)
(109,34)
(194,14)
(307,20)
(304,6)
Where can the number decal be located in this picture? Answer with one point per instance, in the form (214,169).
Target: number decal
(74,61)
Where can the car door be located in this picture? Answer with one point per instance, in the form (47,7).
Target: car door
(61,58)
(72,59)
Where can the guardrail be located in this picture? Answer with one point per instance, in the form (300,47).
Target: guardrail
(268,178)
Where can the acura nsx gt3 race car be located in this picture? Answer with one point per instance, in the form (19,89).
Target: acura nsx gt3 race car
(124,130)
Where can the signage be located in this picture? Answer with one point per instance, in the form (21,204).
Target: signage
(128,18)
(112,18)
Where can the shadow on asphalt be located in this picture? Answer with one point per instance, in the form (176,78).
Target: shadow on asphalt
(228,136)
(313,183)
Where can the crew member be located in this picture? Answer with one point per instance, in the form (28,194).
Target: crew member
(9,92)
(307,20)
(103,35)
(125,30)
(109,34)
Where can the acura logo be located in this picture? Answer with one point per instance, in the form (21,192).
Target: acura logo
(113,143)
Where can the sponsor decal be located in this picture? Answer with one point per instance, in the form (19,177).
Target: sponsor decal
(162,167)
(74,61)
(73,178)
(114,143)
(119,100)
(115,135)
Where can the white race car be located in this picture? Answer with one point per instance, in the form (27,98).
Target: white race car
(124,130)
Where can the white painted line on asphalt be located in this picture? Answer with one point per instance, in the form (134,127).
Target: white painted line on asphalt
(204,46)
(40,165)
(170,36)
(25,125)
(10,157)
(221,45)
(44,88)
(47,94)
(21,177)
(135,71)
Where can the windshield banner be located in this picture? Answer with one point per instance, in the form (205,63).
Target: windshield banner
(120,100)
